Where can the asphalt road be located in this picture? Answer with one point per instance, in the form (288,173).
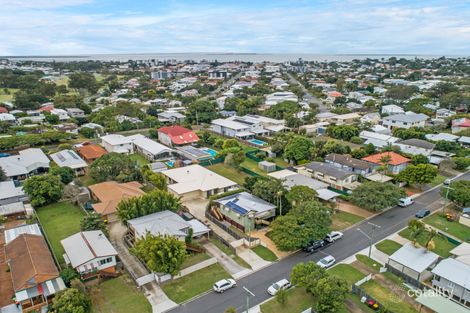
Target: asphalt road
(353,241)
(308,96)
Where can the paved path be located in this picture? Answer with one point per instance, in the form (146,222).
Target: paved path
(255,261)
(152,291)
(390,221)
(227,262)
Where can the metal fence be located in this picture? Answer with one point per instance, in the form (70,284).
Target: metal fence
(407,279)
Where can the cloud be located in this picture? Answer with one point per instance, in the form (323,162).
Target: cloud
(352,26)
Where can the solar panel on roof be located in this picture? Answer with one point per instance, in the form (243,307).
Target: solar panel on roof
(236,207)
(60,157)
(73,155)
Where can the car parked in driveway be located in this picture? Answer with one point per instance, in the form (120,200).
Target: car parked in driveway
(223,285)
(422,213)
(314,245)
(327,261)
(333,236)
(282,284)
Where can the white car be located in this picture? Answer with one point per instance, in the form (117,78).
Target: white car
(333,236)
(282,284)
(405,202)
(327,261)
(223,285)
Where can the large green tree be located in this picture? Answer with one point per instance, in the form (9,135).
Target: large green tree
(65,173)
(302,224)
(43,189)
(307,275)
(82,80)
(201,111)
(161,254)
(155,201)
(418,174)
(71,301)
(330,292)
(3,175)
(298,148)
(343,132)
(115,166)
(375,196)
(272,191)
(299,194)
(458,192)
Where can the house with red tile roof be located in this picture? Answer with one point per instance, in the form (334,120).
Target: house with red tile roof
(396,163)
(91,152)
(176,135)
(460,124)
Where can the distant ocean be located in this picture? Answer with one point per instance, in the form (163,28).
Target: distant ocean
(221,57)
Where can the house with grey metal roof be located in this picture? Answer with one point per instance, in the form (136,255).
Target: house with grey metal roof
(26,163)
(335,177)
(415,146)
(405,120)
(69,158)
(350,164)
(414,262)
(164,223)
(89,253)
(244,210)
(11,193)
(453,277)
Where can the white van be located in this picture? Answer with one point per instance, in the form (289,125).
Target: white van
(405,202)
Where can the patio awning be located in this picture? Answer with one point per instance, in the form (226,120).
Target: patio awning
(244,134)
(440,304)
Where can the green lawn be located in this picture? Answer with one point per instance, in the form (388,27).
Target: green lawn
(298,300)
(264,253)
(388,246)
(229,252)
(60,220)
(347,272)
(118,295)
(189,286)
(87,180)
(387,298)
(455,229)
(372,264)
(443,246)
(139,159)
(194,258)
(341,220)
(229,172)
(252,165)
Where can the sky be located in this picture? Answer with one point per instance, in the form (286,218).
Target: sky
(73,27)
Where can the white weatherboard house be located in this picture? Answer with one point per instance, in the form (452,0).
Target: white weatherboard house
(196,181)
(149,148)
(453,277)
(406,120)
(89,252)
(27,163)
(117,143)
(69,158)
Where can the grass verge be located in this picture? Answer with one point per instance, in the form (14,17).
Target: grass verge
(388,246)
(118,295)
(189,286)
(264,253)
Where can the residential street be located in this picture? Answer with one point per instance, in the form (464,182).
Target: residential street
(308,96)
(390,221)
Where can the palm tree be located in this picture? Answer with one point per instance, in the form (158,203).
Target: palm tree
(385,161)
(430,244)
(416,227)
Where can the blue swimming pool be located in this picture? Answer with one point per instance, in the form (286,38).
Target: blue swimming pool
(258,142)
(170,163)
(213,153)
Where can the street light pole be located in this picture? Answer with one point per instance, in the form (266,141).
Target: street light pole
(248,294)
(446,198)
(371,236)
